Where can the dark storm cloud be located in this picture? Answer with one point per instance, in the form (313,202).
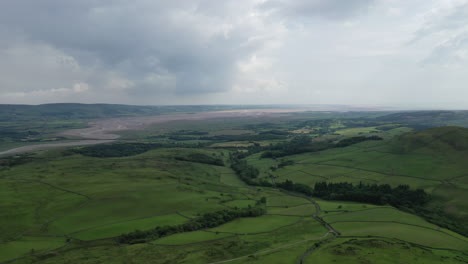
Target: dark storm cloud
(329,9)
(179,39)
(233,51)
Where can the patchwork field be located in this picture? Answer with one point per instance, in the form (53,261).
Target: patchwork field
(164,183)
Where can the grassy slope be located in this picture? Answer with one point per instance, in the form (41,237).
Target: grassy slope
(85,198)
(93,198)
(382,251)
(434,160)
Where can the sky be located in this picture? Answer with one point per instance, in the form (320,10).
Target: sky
(410,54)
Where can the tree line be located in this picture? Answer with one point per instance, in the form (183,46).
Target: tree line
(303,143)
(127,149)
(201,158)
(400,196)
(207,220)
(354,140)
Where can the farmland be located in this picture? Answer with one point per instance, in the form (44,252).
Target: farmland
(74,204)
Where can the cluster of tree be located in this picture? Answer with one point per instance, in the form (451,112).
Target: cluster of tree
(245,137)
(182,135)
(201,158)
(16,135)
(250,150)
(16,160)
(388,127)
(259,126)
(190,133)
(127,149)
(116,150)
(303,143)
(298,144)
(207,220)
(354,140)
(318,124)
(400,196)
(361,122)
(246,172)
(295,187)
(181,138)
(274,132)
(284,163)
(249,174)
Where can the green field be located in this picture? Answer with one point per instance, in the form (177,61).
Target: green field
(414,234)
(68,206)
(113,230)
(191,237)
(257,224)
(377,250)
(299,210)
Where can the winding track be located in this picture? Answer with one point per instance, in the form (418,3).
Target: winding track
(318,210)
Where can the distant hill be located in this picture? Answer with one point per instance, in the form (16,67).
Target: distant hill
(425,119)
(439,139)
(73,111)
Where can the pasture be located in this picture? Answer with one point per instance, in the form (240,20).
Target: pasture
(63,207)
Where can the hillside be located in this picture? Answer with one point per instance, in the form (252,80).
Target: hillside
(426,119)
(433,159)
(438,139)
(179,192)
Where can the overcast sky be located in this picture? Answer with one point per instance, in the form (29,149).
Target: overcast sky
(356,52)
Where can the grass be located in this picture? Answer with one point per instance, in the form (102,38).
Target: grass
(299,210)
(240,203)
(26,205)
(190,237)
(135,205)
(410,233)
(29,245)
(96,198)
(385,214)
(93,199)
(231,179)
(287,255)
(195,253)
(341,206)
(356,131)
(260,224)
(285,201)
(382,251)
(113,230)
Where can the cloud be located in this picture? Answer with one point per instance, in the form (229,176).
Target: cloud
(328,9)
(445,28)
(453,51)
(178,46)
(234,51)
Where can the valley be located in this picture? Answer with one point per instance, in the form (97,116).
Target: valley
(232,187)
